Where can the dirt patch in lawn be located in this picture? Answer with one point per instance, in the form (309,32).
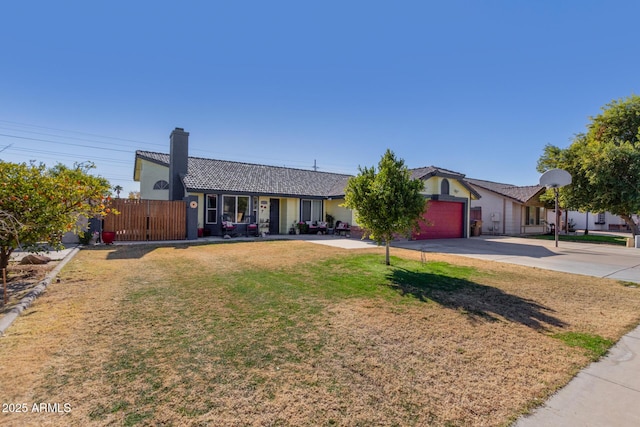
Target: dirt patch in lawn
(270,334)
(21,279)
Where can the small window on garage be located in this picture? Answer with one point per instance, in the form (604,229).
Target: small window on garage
(444,186)
(161,185)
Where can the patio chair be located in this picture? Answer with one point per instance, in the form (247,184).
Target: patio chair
(252,227)
(228,227)
(342,228)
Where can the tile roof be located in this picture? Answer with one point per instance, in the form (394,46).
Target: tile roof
(227,176)
(522,194)
(420,173)
(160,158)
(221,175)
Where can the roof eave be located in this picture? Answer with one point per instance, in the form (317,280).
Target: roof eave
(537,194)
(137,169)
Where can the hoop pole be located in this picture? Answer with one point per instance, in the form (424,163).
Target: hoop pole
(555,190)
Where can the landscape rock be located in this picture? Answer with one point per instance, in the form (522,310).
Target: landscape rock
(35,259)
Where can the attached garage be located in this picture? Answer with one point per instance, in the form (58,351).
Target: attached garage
(449,198)
(446,220)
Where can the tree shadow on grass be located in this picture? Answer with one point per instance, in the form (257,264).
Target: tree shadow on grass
(115,252)
(139,250)
(479,302)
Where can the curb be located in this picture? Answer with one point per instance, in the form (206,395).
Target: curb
(26,302)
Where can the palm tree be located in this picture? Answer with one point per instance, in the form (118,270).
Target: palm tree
(118,189)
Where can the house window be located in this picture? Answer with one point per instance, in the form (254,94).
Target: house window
(254,217)
(444,186)
(311,210)
(212,209)
(600,218)
(533,215)
(161,185)
(235,208)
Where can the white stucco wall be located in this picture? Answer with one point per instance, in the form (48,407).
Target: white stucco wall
(508,213)
(491,205)
(581,218)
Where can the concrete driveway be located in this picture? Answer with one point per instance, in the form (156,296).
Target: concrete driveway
(614,262)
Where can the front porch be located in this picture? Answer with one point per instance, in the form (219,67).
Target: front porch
(260,215)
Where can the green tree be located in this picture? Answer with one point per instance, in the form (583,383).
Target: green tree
(118,189)
(386,201)
(604,163)
(38,205)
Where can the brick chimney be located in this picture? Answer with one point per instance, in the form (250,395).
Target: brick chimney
(178,161)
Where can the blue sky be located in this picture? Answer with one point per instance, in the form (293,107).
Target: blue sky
(479,87)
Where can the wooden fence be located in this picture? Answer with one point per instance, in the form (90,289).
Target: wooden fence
(141,220)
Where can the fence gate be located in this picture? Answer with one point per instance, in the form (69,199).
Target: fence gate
(141,220)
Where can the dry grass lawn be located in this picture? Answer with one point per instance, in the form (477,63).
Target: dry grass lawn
(291,333)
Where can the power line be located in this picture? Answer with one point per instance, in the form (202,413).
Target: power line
(70,137)
(67,155)
(64,143)
(78,132)
(258,159)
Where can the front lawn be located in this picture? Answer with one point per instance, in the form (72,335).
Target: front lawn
(589,238)
(292,333)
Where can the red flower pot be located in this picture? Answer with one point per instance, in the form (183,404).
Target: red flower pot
(108,237)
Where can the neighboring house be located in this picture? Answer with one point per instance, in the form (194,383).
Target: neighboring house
(593,221)
(277,197)
(509,209)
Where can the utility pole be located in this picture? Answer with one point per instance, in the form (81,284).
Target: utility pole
(315,166)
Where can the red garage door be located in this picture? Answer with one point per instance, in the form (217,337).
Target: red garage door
(446,221)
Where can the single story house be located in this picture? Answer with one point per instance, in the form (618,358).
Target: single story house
(516,210)
(509,209)
(593,221)
(276,198)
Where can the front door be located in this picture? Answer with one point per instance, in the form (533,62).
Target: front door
(274,216)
